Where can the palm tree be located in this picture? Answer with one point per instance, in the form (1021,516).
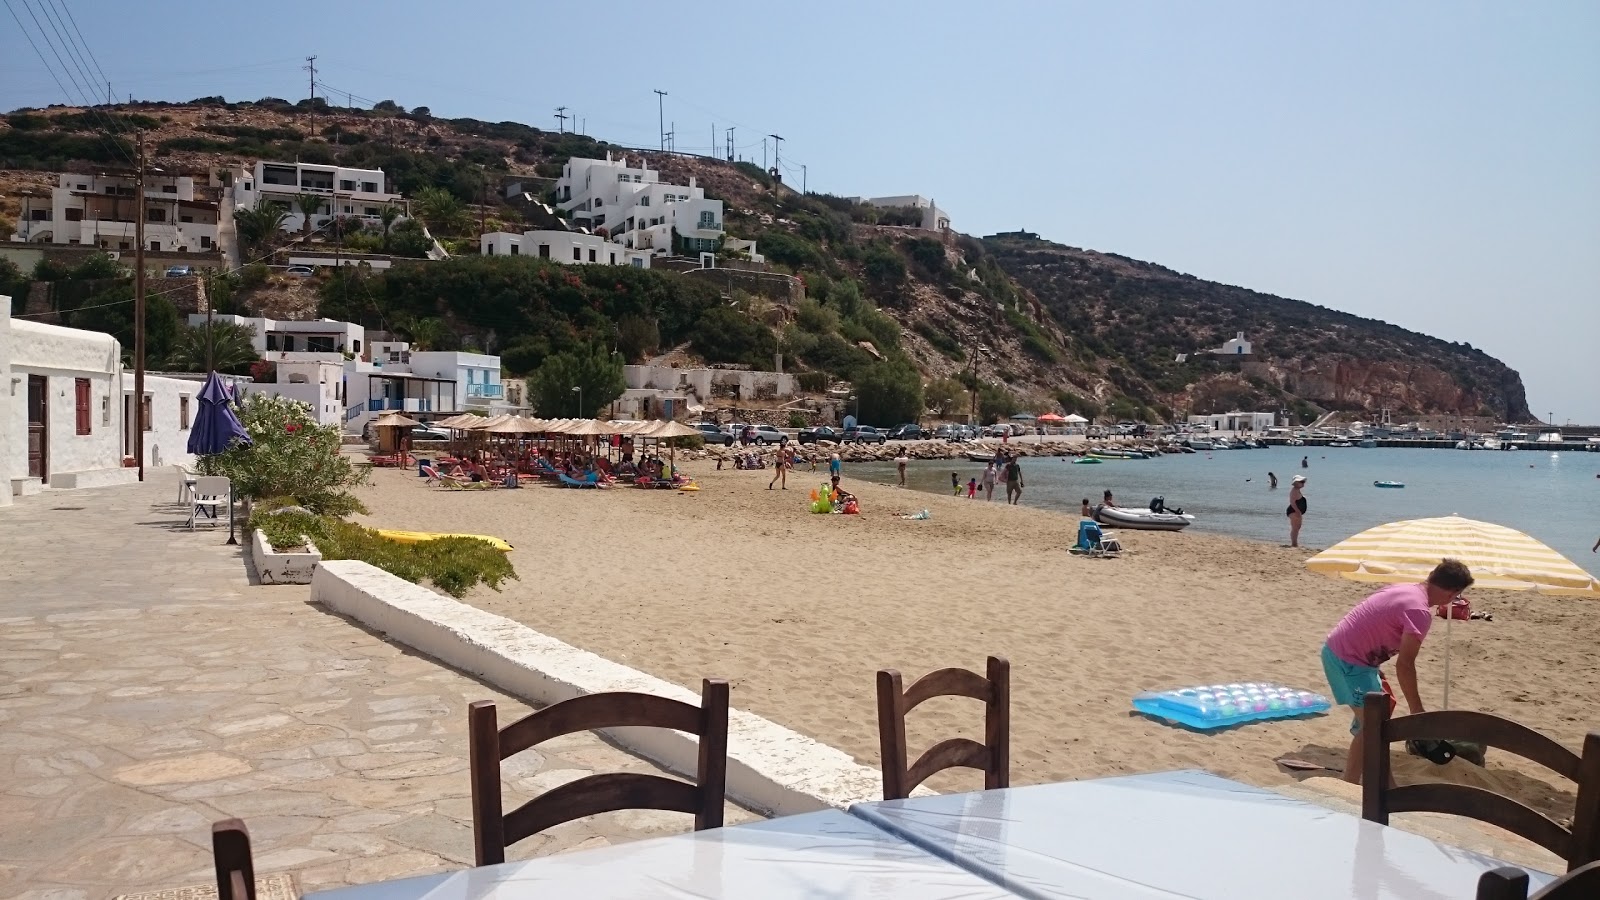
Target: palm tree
(224,346)
(255,227)
(425,334)
(441,210)
(308,204)
(386,216)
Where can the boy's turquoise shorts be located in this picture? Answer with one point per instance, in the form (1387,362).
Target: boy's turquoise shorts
(1350,683)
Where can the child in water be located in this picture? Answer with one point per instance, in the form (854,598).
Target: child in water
(955,484)
(972,489)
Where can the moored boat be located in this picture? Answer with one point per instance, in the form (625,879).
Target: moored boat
(981,457)
(1389,484)
(1141,519)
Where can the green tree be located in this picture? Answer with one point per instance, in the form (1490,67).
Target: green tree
(942,394)
(723,334)
(224,346)
(426,334)
(441,210)
(889,392)
(11,281)
(996,403)
(815,318)
(96,266)
(110,310)
(637,337)
(595,370)
(256,228)
(308,204)
(386,217)
(290,456)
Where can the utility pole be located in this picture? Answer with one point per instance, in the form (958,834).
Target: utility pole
(661,117)
(672,138)
(763,154)
(483,206)
(561,119)
(777,154)
(730,145)
(803,179)
(138,311)
(311,66)
(109,101)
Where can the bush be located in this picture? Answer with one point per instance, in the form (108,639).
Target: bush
(596,371)
(996,403)
(942,341)
(797,420)
(723,334)
(889,392)
(812,382)
(291,456)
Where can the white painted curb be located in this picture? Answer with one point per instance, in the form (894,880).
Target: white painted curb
(283,568)
(771,769)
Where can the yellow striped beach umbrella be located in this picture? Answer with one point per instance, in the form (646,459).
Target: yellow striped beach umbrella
(1500,558)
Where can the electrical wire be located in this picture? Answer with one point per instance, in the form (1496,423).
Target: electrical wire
(116,148)
(74,22)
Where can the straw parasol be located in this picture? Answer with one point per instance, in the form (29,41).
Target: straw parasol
(1500,558)
(586,428)
(483,424)
(512,425)
(670,432)
(394,420)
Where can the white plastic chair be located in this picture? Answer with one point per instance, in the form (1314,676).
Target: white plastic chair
(186,478)
(212,493)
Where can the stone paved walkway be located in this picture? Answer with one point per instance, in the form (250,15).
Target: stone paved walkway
(147,689)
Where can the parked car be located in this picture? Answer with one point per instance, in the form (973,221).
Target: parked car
(863,434)
(179,271)
(819,433)
(907,433)
(299,271)
(1001,430)
(765,434)
(429,433)
(713,434)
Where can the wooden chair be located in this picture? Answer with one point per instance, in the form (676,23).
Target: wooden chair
(489,744)
(1510,883)
(993,756)
(236,870)
(1579,845)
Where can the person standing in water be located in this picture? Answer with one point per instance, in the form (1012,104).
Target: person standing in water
(1274,479)
(900,464)
(1013,481)
(1305,462)
(1297,509)
(990,474)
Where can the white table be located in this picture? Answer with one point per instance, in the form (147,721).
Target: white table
(1180,834)
(818,855)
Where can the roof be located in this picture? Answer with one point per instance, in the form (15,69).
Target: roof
(407,376)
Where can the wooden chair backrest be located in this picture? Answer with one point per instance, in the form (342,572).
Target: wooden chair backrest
(1510,883)
(236,870)
(993,756)
(1578,845)
(489,744)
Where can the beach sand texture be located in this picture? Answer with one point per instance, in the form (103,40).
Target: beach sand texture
(799,610)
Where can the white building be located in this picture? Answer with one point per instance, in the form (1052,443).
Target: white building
(99,211)
(437,382)
(357,193)
(572,247)
(324,340)
(933,218)
(1237,421)
(1234,346)
(67,410)
(319,384)
(630,206)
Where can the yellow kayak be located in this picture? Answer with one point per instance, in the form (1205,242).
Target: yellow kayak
(415,537)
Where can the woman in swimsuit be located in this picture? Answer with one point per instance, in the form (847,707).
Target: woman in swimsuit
(1297,509)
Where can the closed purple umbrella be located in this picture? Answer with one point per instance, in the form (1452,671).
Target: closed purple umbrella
(216,428)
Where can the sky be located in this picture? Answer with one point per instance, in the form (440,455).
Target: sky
(1432,164)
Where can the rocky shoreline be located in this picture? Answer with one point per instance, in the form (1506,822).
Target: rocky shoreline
(926,449)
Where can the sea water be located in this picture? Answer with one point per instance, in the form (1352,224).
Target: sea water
(1554,497)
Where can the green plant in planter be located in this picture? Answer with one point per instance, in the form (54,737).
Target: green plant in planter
(291,456)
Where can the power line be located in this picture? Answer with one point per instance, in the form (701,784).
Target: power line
(116,148)
(85,44)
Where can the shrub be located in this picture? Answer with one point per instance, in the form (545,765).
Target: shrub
(596,371)
(889,392)
(290,456)
(453,565)
(812,382)
(941,340)
(797,420)
(723,334)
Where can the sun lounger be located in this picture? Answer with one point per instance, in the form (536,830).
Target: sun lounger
(569,481)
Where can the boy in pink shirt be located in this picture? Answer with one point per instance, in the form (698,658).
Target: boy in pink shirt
(1392,622)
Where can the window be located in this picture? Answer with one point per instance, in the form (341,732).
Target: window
(288,343)
(111,189)
(613,258)
(514,250)
(169,189)
(544,251)
(205,242)
(122,245)
(347,184)
(74,215)
(81,391)
(591,254)
(83,187)
(144,412)
(39,215)
(622,177)
(577,254)
(155,215)
(183,411)
(355,346)
(369,187)
(491,248)
(370,211)
(272,342)
(186,218)
(708,219)
(348,209)
(645,200)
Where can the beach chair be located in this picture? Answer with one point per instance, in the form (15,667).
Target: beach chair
(1578,845)
(450,482)
(993,756)
(1093,541)
(236,870)
(186,478)
(488,744)
(1510,883)
(212,493)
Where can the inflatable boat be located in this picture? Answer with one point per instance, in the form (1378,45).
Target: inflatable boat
(1389,484)
(1141,519)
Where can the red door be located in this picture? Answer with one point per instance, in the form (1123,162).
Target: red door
(38,427)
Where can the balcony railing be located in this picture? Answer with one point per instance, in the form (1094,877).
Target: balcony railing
(485,390)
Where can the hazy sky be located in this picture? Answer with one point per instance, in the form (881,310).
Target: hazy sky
(1436,165)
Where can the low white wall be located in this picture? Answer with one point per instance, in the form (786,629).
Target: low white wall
(282,568)
(89,478)
(770,768)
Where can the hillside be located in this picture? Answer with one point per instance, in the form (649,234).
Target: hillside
(1029,323)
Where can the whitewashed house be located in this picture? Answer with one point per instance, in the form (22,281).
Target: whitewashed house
(1237,421)
(933,218)
(1234,346)
(99,211)
(277,340)
(630,206)
(571,247)
(434,382)
(357,193)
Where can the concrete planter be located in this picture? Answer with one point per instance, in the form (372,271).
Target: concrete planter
(273,567)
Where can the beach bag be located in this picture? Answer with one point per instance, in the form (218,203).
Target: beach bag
(1460,609)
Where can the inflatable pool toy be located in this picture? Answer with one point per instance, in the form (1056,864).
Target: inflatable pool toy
(1389,484)
(417,537)
(691,486)
(1219,705)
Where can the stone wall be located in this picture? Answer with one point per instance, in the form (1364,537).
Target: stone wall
(785,289)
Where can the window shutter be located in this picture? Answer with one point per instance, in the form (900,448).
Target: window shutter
(81,390)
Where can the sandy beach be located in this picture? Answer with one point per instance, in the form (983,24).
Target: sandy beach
(799,611)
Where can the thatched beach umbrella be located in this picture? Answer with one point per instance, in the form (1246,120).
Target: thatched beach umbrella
(670,432)
(396,421)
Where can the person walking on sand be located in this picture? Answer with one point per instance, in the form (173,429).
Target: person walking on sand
(1297,509)
(991,473)
(1391,623)
(1274,479)
(972,488)
(835,466)
(900,464)
(1013,481)
(785,460)
(955,485)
